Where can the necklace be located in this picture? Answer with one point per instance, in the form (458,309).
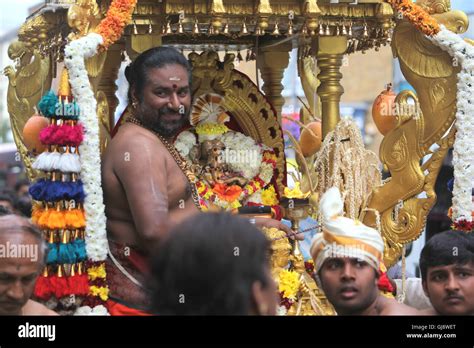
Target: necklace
(182,164)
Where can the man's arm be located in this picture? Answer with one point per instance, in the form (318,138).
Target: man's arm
(140,165)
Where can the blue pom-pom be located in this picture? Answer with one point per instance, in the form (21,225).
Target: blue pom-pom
(52,253)
(47,104)
(66,253)
(80,249)
(38,189)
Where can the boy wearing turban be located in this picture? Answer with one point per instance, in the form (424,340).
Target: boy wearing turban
(347,256)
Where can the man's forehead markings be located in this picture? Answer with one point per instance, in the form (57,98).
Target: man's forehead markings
(175,78)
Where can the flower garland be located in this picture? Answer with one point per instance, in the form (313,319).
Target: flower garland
(118,16)
(463,153)
(230,197)
(76,52)
(417,16)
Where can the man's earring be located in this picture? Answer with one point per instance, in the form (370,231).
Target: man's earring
(134,103)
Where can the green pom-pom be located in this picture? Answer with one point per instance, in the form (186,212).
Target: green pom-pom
(47,104)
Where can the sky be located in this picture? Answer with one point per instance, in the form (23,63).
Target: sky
(13,13)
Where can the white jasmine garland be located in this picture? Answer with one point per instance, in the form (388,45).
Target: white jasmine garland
(463,152)
(240,143)
(75,54)
(184,143)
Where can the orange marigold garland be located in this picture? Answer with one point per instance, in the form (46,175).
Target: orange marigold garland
(417,16)
(118,16)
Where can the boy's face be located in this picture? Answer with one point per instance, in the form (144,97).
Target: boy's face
(451,288)
(350,284)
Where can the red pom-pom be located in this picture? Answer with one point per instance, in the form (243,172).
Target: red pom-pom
(43,290)
(78,284)
(60,286)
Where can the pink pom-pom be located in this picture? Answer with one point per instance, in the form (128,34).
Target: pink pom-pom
(48,135)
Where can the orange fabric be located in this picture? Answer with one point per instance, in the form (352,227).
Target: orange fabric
(330,238)
(117,309)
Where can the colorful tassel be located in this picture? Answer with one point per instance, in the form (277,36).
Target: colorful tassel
(59,284)
(78,282)
(52,191)
(56,219)
(52,253)
(67,251)
(47,104)
(43,290)
(51,161)
(48,135)
(80,249)
(69,163)
(75,219)
(64,135)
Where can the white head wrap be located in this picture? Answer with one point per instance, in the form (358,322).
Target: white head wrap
(343,237)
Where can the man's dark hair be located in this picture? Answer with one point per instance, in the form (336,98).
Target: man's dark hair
(207,265)
(157,57)
(9,196)
(21,183)
(447,248)
(24,206)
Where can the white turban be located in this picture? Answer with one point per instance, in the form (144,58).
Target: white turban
(343,237)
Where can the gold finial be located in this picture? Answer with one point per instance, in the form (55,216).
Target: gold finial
(135,29)
(64,89)
(196,27)
(290,27)
(276,31)
(244,30)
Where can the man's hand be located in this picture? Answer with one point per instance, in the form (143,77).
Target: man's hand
(269,223)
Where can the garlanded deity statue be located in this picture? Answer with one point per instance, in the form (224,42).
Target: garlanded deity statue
(232,168)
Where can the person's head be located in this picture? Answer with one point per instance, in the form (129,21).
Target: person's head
(20,263)
(347,257)
(350,284)
(21,188)
(7,200)
(213,264)
(447,272)
(24,206)
(160,89)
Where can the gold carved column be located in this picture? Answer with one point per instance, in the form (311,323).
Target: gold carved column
(272,63)
(329,51)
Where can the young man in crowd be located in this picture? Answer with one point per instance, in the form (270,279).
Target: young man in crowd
(347,257)
(447,273)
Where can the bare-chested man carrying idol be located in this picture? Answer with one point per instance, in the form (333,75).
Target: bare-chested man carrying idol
(147,186)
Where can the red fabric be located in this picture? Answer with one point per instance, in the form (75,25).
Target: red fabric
(384,283)
(117,309)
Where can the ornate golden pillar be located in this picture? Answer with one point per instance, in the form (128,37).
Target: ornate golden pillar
(329,51)
(272,63)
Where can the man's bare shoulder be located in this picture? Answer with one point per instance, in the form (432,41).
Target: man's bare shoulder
(134,135)
(36,308)
(134,142)
(391,307)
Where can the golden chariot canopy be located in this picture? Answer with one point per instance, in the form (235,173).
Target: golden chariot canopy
(323,31)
